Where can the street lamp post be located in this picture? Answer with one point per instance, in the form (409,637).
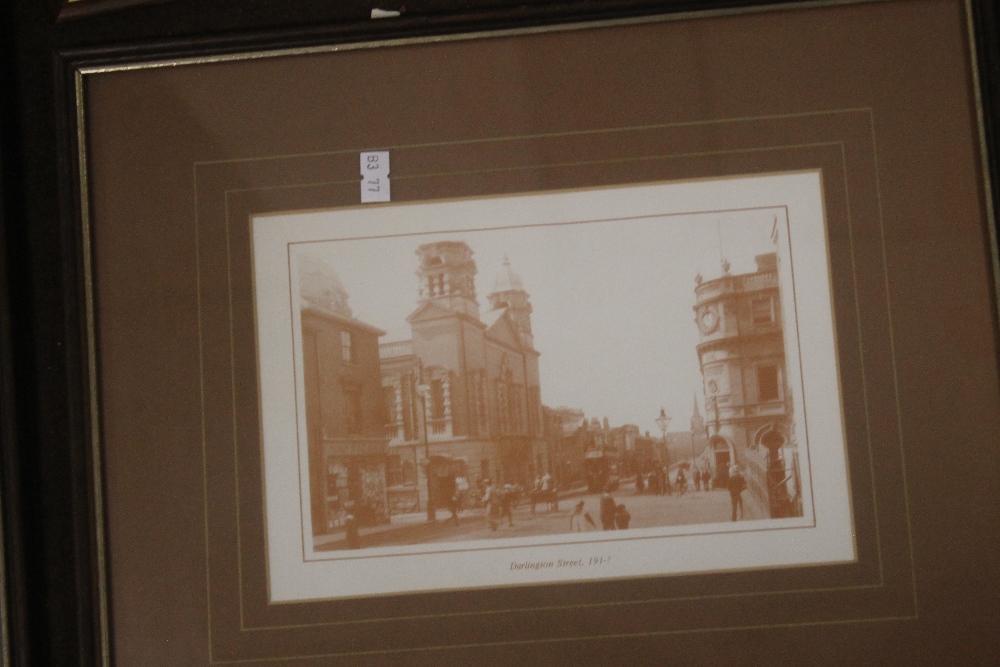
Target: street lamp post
(663,421)
(424,390)
(715,411)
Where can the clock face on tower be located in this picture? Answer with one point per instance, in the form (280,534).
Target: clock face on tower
(708,320)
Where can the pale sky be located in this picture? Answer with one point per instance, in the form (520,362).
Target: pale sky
(612,301)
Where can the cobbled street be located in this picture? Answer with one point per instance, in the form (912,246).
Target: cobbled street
(648,511)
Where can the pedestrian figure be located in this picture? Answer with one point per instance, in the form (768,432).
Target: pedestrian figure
(737,482)
(507,500)
(697,479)
(578,520)
(547,482)
(681,483)
(491,503)
(351,527)
(622,517)
(638,482)
(461,490)
(608,508)
(449,491)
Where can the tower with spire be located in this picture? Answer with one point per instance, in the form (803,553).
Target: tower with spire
(508,293)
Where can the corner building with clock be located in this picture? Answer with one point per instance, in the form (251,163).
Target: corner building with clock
(462,394)
(748,404)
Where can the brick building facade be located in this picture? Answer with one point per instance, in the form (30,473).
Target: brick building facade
(463,393)
(344,409)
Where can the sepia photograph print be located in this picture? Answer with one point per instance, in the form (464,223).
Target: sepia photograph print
(565,386)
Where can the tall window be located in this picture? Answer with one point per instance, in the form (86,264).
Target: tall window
(503,407)
(436,407)
(389,396)
(473,406)
(517,409)
(534,411)
(411,407)
(352,409)
(767,383)
(762,309)
(435,285)
(347,345)
(481,399)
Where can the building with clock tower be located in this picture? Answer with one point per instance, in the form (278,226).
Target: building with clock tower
(747,402)
(462,394)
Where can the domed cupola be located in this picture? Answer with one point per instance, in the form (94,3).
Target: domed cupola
(507,280)
(320,287)
(508,293)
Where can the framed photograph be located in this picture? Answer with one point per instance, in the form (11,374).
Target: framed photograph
(343,505)
(537,335)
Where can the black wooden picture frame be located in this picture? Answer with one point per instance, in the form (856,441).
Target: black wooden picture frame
(57,581)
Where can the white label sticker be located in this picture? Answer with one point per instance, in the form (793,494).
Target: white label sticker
(374,177)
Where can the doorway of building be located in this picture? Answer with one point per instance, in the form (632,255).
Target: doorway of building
(777,488)
(723,460)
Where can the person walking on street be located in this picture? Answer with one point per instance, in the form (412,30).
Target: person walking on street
(580,521)
(461,490)
(736,484)
(622,517)
(449,492)
(491,504)
(608,509)
(547,482)
(507,500)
